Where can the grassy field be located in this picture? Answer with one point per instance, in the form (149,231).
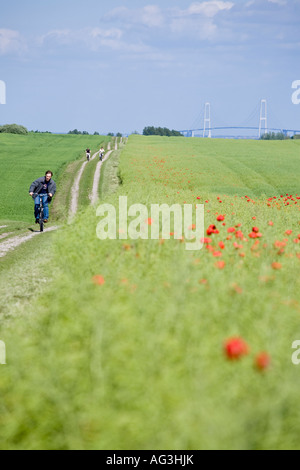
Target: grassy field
(125,347)
(25,158)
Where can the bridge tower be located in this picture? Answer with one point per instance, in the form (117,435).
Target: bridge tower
(207,121)
(263,118)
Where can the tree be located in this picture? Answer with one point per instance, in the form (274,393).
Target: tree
(13,129)
(163,131)
(274,136)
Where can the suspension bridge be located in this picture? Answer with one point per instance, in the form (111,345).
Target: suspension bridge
(237,132)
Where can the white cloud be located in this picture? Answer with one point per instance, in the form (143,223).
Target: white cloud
(279,2)
(10,42)
(208,9)
(152,16)
(61,36)
(199,19)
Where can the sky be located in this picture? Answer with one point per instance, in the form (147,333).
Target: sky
(111,66)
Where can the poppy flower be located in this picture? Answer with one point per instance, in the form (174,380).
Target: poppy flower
(262,361)
(235,348)
(217,254)
(276,265)
(220,264)
(212,229)
(220,218)
(98,280)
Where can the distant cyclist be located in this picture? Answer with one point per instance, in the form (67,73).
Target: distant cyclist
(47,187)
(88,154)
(101,153)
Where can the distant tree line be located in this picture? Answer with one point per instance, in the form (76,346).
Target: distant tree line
(274,136)
(151,130)
(13,129)
(41,132)
(77,132)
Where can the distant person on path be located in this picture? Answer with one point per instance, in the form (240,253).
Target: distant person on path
(88,154)
(101,153)
(46,186)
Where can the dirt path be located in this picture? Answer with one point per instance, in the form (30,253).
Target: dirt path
(5,235)
(75,190)
(94,195)
(14,242)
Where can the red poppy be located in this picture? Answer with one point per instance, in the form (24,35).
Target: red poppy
(98,280)
(220,264)
(212,229)
(276,265)
(235,348)
(262,361)
(220,218)
(217,254)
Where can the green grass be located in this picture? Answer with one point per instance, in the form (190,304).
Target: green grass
(137,362)
(25,158)
(24,275)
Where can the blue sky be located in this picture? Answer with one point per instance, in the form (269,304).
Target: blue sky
(112,66)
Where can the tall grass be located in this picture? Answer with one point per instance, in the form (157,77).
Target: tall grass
(133,358)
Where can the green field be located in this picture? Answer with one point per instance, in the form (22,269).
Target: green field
(124,347)
(25,158)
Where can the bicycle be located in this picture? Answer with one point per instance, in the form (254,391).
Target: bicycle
(88,156)
(41,210)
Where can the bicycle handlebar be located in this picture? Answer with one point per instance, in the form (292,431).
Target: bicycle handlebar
(34,195)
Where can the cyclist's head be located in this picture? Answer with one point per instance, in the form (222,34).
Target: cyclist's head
(49,174)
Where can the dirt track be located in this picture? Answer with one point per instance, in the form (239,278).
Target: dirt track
(14,242)
(75,190)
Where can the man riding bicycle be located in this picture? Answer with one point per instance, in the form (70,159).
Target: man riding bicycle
(101,153)
(46,187)
(88,154)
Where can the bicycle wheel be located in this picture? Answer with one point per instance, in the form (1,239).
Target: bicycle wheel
(41,220)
